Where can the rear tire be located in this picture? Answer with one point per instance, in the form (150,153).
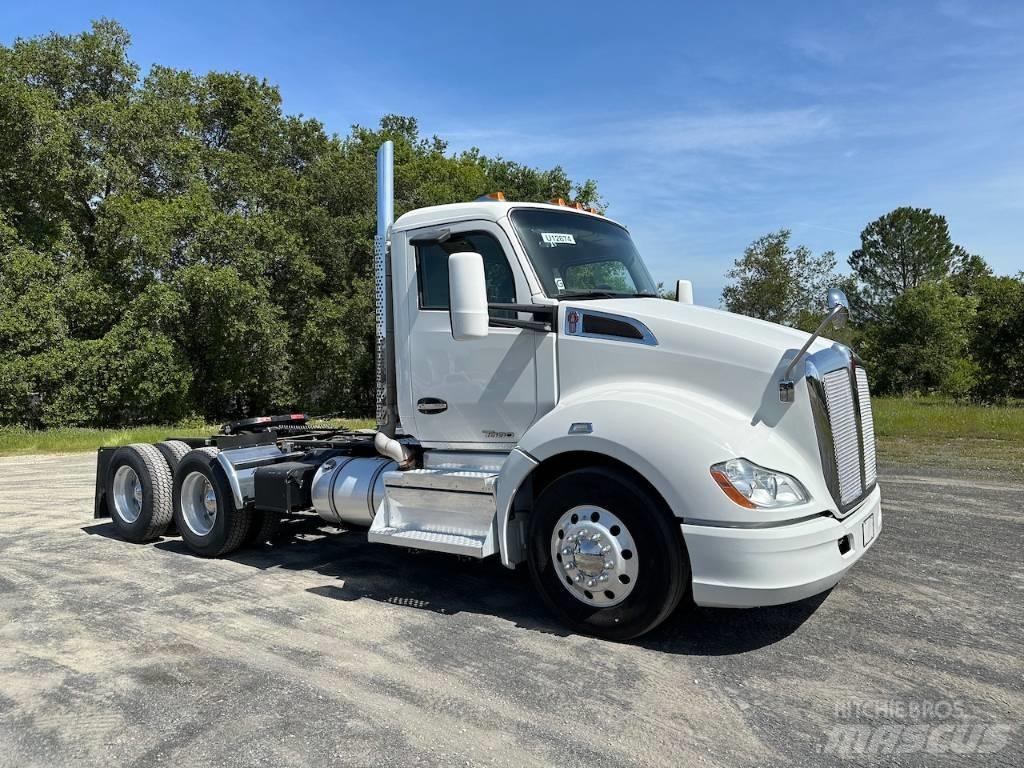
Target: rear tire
(605,554)
(139,494)
(173,452)
(204,508)
(263,527)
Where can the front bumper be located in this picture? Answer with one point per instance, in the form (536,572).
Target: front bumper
(749,567)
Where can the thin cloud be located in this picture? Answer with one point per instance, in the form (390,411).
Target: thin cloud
(971,14)
(728,133)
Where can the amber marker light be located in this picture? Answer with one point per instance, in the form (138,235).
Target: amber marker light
(730,491)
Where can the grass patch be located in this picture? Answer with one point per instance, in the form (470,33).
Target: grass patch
(966,439)
(17,441)
(921,432)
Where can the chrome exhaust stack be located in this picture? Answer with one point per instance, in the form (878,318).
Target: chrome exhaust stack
(387,412)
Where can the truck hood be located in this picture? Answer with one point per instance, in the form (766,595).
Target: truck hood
(734,361)
(671,316)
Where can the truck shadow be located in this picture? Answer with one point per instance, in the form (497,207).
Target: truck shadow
(448,585)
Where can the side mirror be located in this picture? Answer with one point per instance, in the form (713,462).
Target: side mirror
(467,291)
(684,291)
(838,307)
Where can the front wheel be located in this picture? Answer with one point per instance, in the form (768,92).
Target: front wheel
(607,557)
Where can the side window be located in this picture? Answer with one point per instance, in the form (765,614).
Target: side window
(432,269)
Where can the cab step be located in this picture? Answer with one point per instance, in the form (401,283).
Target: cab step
(451,543)
(443,510)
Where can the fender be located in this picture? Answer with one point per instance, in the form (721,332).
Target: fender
(669,436)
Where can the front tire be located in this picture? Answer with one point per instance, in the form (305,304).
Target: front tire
(204,508)
(606,556)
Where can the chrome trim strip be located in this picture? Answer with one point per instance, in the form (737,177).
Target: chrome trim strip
(744,525)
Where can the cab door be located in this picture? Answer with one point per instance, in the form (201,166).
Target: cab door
(479,393)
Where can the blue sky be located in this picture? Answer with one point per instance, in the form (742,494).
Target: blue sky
(705,124)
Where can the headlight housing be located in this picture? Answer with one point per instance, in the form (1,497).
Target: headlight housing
(755,487)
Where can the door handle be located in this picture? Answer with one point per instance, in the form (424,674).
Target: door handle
(431,405)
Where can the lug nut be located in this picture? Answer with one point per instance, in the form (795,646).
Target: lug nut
(606,549)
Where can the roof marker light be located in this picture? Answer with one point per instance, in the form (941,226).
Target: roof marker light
(557,201)
(491,197)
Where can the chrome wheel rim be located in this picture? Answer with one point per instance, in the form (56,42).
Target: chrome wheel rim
(127,494)
(594,556)
(198,503)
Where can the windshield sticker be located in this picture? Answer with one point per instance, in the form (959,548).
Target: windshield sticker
(557,238)
(559,284)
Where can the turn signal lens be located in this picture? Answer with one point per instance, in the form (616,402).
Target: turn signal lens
(755,487)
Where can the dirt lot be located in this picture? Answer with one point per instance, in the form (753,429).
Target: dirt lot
(323,651)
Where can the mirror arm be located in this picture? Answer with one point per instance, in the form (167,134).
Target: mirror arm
(786,384)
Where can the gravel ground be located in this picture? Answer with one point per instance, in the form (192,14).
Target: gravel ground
(321,650)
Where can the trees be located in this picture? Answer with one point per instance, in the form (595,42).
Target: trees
(928,315)
(178,244)
(922,346)
(780,283)
(900,250)
(997,336)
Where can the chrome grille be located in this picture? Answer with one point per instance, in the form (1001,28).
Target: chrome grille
(842,415)
(867,426)
(841,405)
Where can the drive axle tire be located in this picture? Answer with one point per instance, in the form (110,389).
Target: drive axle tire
(605,554)
(139,494)
(173,452)
(204,509)
(263,527)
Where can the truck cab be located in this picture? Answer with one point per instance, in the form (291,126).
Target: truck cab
(539,402)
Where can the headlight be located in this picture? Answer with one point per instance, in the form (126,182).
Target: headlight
(755,487)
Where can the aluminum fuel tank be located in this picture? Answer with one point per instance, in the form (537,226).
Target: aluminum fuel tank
(350,490)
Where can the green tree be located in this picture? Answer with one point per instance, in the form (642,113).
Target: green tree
(780,283)
(997,337)
(903,249)
(922,347)
(178,244)
(967,272)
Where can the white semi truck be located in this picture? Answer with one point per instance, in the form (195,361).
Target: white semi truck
(538,402)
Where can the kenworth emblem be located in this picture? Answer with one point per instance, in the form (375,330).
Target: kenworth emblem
(573,321)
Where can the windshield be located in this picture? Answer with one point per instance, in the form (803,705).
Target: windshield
(581,256)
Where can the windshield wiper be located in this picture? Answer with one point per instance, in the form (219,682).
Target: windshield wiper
(604,295)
